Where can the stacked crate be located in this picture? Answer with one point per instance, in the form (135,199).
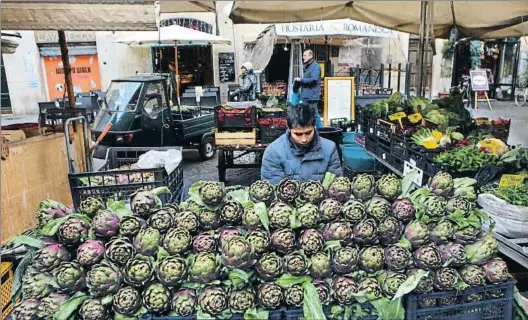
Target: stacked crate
(272,123)
(236,126)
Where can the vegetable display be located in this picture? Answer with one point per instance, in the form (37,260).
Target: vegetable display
(326,247)
(465,159)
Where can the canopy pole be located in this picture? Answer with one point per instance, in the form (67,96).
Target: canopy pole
(67,68)
(421,47)
(176,70)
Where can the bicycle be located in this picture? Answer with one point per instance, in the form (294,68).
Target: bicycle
(521,96)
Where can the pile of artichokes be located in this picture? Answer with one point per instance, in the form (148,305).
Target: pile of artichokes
(253,250)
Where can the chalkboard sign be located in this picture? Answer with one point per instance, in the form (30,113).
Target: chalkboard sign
(226,66)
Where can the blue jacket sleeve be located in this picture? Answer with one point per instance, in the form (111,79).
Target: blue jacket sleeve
(312,76)
(272,169)
(334,165)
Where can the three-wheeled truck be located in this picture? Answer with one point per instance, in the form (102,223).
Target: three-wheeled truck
(137,111)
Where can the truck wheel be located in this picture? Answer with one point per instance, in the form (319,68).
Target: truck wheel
(207,148)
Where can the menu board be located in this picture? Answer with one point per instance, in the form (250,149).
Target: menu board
(226,66)
(339,98)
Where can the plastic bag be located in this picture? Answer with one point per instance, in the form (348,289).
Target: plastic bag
(294,98)
(272,102)
(510,220)
(169,159)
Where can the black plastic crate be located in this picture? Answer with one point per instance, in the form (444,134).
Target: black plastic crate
(383,151)
(268,134)
(53,119)
(109,183)
(416,157)
(397,163)
(399,145)
(497,304)
(371,142)
(235,117)
(384,130)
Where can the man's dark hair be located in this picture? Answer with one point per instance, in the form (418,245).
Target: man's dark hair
(300,115)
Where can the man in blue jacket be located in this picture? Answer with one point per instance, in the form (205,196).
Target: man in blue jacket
(300,153)
(311,84)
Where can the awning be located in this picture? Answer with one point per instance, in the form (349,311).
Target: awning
(168,35)
(168,6)
(341,27)
(10,41)
(478,19)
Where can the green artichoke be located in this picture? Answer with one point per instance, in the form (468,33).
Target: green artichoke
(204,242)
(287,190)
(104,278)
(147,241)
(269,295)
(259,241)
(435,206)
(417,233)
(353,211)
(279,214)
(364,186)
(389,231)
(338,230)
(213,300)
(320,265)
(161,220)
(495,270)
(231,212)
(70,277)
(26,310)
(139,271)
(93,309)
(51,304)
(226,233)
(171,271)
(343,289)
(294,296)
(126,301)
(205,267)
(241,300)
(119,251)
(428,257)
(389,186)
(156,298)
(283,240)
(295,263)
(188,221)
(184,302)
(345,260)
(209,220)
(441,184)
(371,288)
(371,259)
(50,256)
(453,254)
(73,232)
(251,219)
(397,258)
(392,283)
(425,284)
(237,253)
(130,226)
(340,189)
(467,235)
(484,249)
(445,279)
(312,191)
(329,209)
(378,208)
(472,275)
(36,284)
(177,241)
(365,232)
(308,215)
(269,266)
(311,241)
(459,203)
(442,232)
(212,193)
(142,201)
(90,206)
(261,191)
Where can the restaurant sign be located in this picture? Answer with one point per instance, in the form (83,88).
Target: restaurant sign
(342,27)
(71,36)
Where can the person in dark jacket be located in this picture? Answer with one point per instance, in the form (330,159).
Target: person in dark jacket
(310,84)
(249,84)
(300,153)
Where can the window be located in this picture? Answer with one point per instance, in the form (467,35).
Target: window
(155,99)
(4,95)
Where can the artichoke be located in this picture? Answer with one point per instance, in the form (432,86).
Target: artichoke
(259,241)
(287,190)
(251,219)
(184,302)
(312,191)
(279,214)
(343,289)
(389,186)
(187,220)
(119,251)
(323,290)
(329,209)
(269,266)
(389,231)
(69,276)
(139,271)
(340,189)
(209,220)
(311,241)
(450,301)
(435,206)
(320,265)
(51,209)
(51,304)
(308,215)
(213,300)
(459,203)
(364,186)
(453,254)
(93,309)
(36,284)
(148,241)
(295,263)
(171,271)
(231,212)
(126,301)
(442,232)
(495,270)
(427,303)
(441,184)
(104,278)
(417,233)
(191,205)
(445,279)
(365,232)
(353,211)
(378,208)
(90,206)
(161,220)
(484,249)
(106,224)
(467,235)
(130,226)
(212,193)
(269,295)
(294,296)
(237,253)
(26,310)
(227,233)
(472,275)
(403,210)
(156,298)
(50,256)
(143,201)
(242,300)
(392,283)
(428,257)
(283,240)
(397,258)
(205,267)
(177,241)
(338,230)
(172,208)
(261,191)
(371,259)
(73,231)
(425,284)
(371,288)
(204,242)
(345,260)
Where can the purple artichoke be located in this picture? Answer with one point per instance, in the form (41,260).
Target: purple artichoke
(295,263)
(106,224)
(403,210)
(441,184)
(237,253)
(204,242)
(51,304)
(338,230)
(227,233)
(50,256)
(323,289)
(287,190)
(425,284)
(340,189)
(453,254)
(389,231)
(51,209)
(73,232)
(161,220)
(187,220)
(345,260)
(445,279)
(365,232)
(311,241)
(184,302)
(90,252)
(343,289)
(26,310)
(428,257)
(119,251)
(329,209)
(283,241)
(142,202)
(397,258)
(495,270)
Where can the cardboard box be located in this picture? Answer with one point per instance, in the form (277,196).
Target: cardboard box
(13,135)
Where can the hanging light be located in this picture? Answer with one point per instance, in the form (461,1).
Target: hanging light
(285,47)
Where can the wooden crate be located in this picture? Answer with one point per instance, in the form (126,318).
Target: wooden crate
(7,284)
(239,138)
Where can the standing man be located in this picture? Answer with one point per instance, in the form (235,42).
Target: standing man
(246,92)
(311,85)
